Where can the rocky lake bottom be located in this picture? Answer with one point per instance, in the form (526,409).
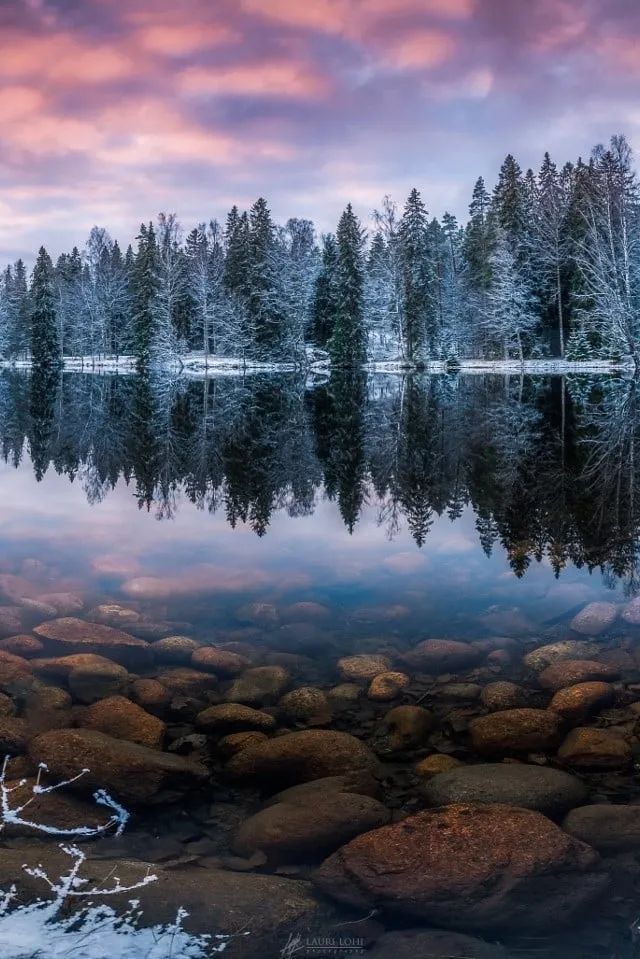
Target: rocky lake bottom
(367,681)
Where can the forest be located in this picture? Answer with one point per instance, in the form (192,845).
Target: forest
(547,464)
(546,265)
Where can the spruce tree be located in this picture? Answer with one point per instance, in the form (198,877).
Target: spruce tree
(264,295)
(144,287)
(45,348)
(348,343)
(420,318)
(324,308)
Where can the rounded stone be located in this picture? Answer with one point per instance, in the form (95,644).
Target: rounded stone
(503,695)
(608,827)
(631,612)
(130,772)
(150,695)
(577,703)
(360,782)
(25,646)
(566,649)
(122,719)
(571,672)
(403,728)
(69,635)
(184,681)
(301,756)
(92,681)
(595,618)
(175,649)
(55,810)
(235,742)
(549,791)
(7,705)
(442,656)
(464,692)
(363,668)
(260,686)
(233,717)
(295,832)
(387,686)
(219,661)
(478,868)
(516,731)
(345,692)
(15,734)
(305,705)
(589,748)
(434,765)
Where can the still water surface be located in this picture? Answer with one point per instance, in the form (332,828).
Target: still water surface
(461,507)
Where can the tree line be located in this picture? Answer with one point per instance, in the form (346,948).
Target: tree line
(547,264)
(547,464)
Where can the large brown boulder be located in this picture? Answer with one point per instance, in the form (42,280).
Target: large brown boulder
(577,703)
(516,731)
(608,827)
(233,717)
(595,618)
(301,756)
(571,672)
(16,673)
(119,717)
(403,729)
(479,868)
(271,909)
(442,656)
(55,810)
(297,832)
(549,791)
(259,686)
(589,748)
(222,662)
(69,635)
(133,773)
(88,676)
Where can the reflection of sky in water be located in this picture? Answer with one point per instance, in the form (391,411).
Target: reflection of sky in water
(442,588)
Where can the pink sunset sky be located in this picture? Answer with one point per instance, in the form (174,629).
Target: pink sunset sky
(111,112)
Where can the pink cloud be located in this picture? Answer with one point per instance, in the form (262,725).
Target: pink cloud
(421,49)
(60,58)
(282,78)
(180,39)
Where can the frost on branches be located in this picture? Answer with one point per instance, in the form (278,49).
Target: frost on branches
(43,930)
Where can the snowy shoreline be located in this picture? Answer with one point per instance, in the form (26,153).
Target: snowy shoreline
(196,365)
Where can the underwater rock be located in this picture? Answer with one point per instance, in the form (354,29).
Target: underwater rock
(511,868)
(516,731)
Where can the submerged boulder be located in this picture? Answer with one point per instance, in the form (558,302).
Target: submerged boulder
(133,773)
(549,791)
(301,756)
(69,635)
(480,868)
(595,618)
(295,832)
(516,731)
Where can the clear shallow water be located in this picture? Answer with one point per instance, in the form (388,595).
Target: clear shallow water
(462,507)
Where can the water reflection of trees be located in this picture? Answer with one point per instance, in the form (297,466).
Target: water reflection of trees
(549,465)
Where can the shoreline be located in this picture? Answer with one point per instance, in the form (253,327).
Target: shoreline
(195,366)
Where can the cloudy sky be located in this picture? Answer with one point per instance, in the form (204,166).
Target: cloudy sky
(111,112)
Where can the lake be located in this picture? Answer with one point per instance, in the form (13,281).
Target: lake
(320,531)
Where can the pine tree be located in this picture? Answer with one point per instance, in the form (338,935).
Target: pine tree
(325,300)
(348,343)
(264,293)
(45,348)
(144,288)
(420,318)
(508,206)
(551,244)
(509,316)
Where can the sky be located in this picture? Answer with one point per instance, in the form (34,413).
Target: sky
(111,112)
